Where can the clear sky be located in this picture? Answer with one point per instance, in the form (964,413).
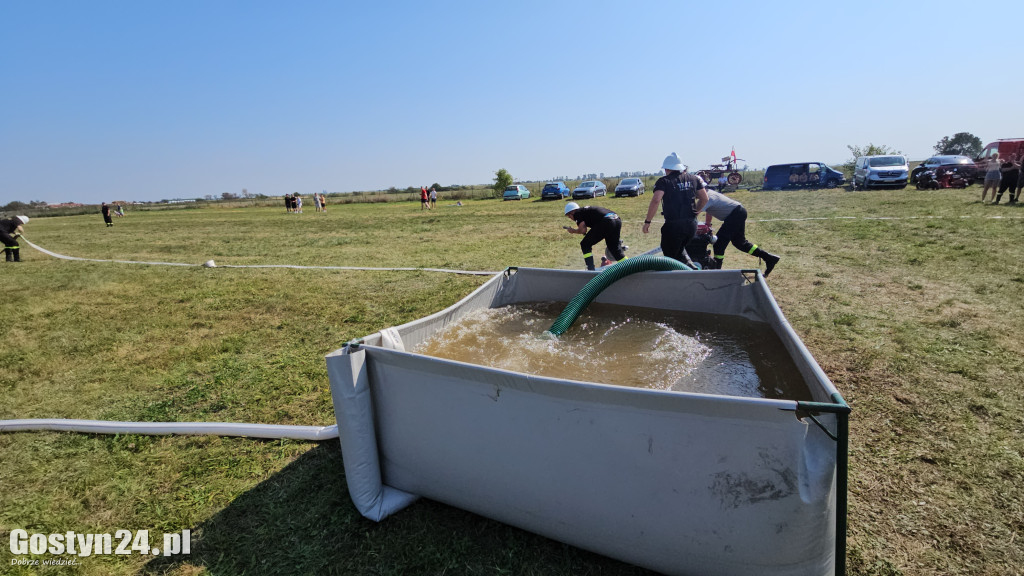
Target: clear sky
(106,100)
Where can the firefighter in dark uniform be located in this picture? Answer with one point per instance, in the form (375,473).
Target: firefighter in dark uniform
(596,224)
(682,196)
(10,229)
(734,229)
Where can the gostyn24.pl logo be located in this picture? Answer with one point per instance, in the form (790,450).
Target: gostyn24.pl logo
(123,542)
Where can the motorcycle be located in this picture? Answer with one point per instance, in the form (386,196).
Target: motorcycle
(942,177)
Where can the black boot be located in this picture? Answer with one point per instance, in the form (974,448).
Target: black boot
(998,197)
(8,253)
(590,262)
(770,260)
(715,263)
(17,254)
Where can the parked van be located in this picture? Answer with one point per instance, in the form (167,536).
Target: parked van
(1006,147)
(886,171)
(802,175)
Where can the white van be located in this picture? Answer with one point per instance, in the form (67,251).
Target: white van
(888,171)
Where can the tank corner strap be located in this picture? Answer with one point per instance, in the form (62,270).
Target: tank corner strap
(749,276)
(838,406)
(352,345)
(510,271)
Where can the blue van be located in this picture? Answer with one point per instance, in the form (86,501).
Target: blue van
(802,175)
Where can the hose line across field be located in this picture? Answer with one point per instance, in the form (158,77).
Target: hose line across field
(269,431)
(211,264)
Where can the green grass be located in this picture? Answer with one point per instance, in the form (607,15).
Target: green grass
(916,320)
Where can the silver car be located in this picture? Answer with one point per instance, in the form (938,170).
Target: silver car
(629,187)
(590,189)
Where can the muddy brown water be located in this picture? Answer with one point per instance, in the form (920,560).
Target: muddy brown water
(627,346)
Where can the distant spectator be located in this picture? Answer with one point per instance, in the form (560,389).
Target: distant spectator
(323,203)
(1020,184)
(288,203)
(424,199)
(316,201)
(1009,172)
(433,198)
(105,210)
(298,203)
(992,176)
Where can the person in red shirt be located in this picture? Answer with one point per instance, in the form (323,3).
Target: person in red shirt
(424,199)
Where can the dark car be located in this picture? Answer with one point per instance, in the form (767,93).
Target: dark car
(555,190)
(968,169)
(802,175)
(629,187)
(590,189)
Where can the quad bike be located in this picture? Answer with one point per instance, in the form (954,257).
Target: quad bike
(716,171)
(942,177)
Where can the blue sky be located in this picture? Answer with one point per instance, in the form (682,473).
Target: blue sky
(118,100)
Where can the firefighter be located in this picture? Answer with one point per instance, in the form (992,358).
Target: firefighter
(10,230)
(734,229)
(681,196)
(595,224)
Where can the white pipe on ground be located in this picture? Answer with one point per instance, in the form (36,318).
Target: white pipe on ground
(273,431)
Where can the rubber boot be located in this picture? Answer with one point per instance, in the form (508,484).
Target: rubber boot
(770,260)
(17,254)
(8,254)
(998,197)
(590,262)
(715,263)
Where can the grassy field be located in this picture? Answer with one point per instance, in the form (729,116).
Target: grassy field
(911,302)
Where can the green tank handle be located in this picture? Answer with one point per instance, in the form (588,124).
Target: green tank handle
(605,279)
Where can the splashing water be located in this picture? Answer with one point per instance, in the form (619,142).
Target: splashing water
(626,346)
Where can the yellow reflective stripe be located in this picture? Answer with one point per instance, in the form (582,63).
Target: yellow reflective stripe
(720,257)
(751,251)
(588,254)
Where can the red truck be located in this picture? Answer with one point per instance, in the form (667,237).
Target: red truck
(1006,147)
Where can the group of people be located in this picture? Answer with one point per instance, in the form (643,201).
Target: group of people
(1003,175)
(10,230)
(293,202)
(107,213)
(682,197)
(428,199)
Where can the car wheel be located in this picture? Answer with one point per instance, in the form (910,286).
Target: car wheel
(831,184)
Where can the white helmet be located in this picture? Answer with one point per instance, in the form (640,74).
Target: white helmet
(672,162)
(571,206)
(24,219)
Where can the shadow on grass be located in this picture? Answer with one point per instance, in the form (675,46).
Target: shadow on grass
(301,521)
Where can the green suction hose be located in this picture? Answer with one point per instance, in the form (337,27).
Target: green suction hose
(605,279)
